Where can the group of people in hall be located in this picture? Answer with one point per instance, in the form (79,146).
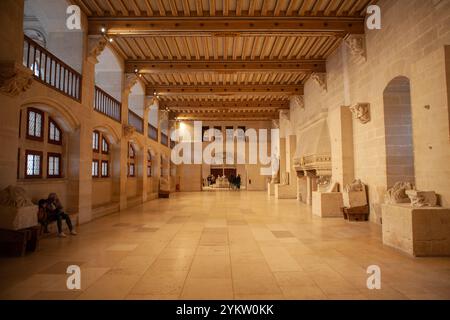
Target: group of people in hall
(235,182)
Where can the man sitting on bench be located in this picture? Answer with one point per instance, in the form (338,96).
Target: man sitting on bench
(55,212)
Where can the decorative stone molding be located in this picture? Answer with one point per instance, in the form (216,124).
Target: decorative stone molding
(95,48)
(14,197)
(320,164)
(361,111)
(357,45)
(298,101)
(128,131)
(14,78)
(164,115)
(130,80)
(320,79)
(284,115)
(275,124)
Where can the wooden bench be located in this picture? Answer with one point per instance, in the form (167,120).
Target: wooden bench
(356,213)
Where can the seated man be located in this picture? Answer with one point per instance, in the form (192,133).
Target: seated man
(55,212)
(43,215)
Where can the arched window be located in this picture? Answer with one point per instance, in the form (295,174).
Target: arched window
(40,153)
(101,155)
(131,161)
(54,132)
(105,146)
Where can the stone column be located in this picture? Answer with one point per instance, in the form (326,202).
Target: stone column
(14,80)
(311,185)
(340,124)
(127,134)
(146,183)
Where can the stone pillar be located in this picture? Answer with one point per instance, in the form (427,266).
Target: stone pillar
(14,80)
(311,186)
(146,183)
(130,81)
(80,182)
(340,124)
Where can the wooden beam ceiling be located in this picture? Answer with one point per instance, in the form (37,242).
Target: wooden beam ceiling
(224,89)
(231,105)
(189,26)
(233,59)
(155,66)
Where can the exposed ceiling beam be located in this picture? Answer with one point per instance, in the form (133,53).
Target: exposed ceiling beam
(163,26)
(259,116)
(166,90)
(152,66)
(206,106)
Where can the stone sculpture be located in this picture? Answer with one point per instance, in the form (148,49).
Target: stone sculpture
(164,184)
(355,186)
(355,194)
(16,209)
(397,194)
(422,198)
(14,197)
(361,111)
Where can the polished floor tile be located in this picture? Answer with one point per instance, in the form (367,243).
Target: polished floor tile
(222,245)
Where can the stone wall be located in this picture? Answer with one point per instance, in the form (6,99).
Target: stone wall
(410,44)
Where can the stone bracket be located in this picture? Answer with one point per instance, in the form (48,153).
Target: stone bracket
(361,112)
(14,78)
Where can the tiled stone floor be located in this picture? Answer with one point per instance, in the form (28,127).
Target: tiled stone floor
(222,245)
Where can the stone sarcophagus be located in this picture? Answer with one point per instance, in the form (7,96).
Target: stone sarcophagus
(354,195)
(16,209)
(414,223)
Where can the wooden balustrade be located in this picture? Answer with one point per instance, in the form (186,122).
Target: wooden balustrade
(106,104)
(136,121)
(50,70)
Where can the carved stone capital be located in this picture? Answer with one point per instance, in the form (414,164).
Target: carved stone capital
(164,115)
(14,78)
(130,80)
(95,48)
(128,131)
(361,111)
(357,45)
(276,124)
(284,115)
(298,101)
(320,79)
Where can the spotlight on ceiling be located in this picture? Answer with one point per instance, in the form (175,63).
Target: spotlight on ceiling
(111,39)
(103,29)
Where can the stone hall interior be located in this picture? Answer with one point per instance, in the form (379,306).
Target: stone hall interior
(225,149)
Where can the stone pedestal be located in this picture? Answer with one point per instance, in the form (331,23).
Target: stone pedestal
(354,199)
(271,189)
(285,191)
(419,232)
(327,204)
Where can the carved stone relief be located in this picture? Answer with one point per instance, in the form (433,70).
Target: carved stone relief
(320,79)
(14,79)
(128,131)
(357,45)
(361,111)
(397,194)
(96,47)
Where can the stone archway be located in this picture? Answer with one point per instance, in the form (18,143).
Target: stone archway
(398,131)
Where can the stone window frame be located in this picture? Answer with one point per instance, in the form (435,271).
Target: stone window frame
(58,128)
(59,157)
(29,152)
(42,114)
